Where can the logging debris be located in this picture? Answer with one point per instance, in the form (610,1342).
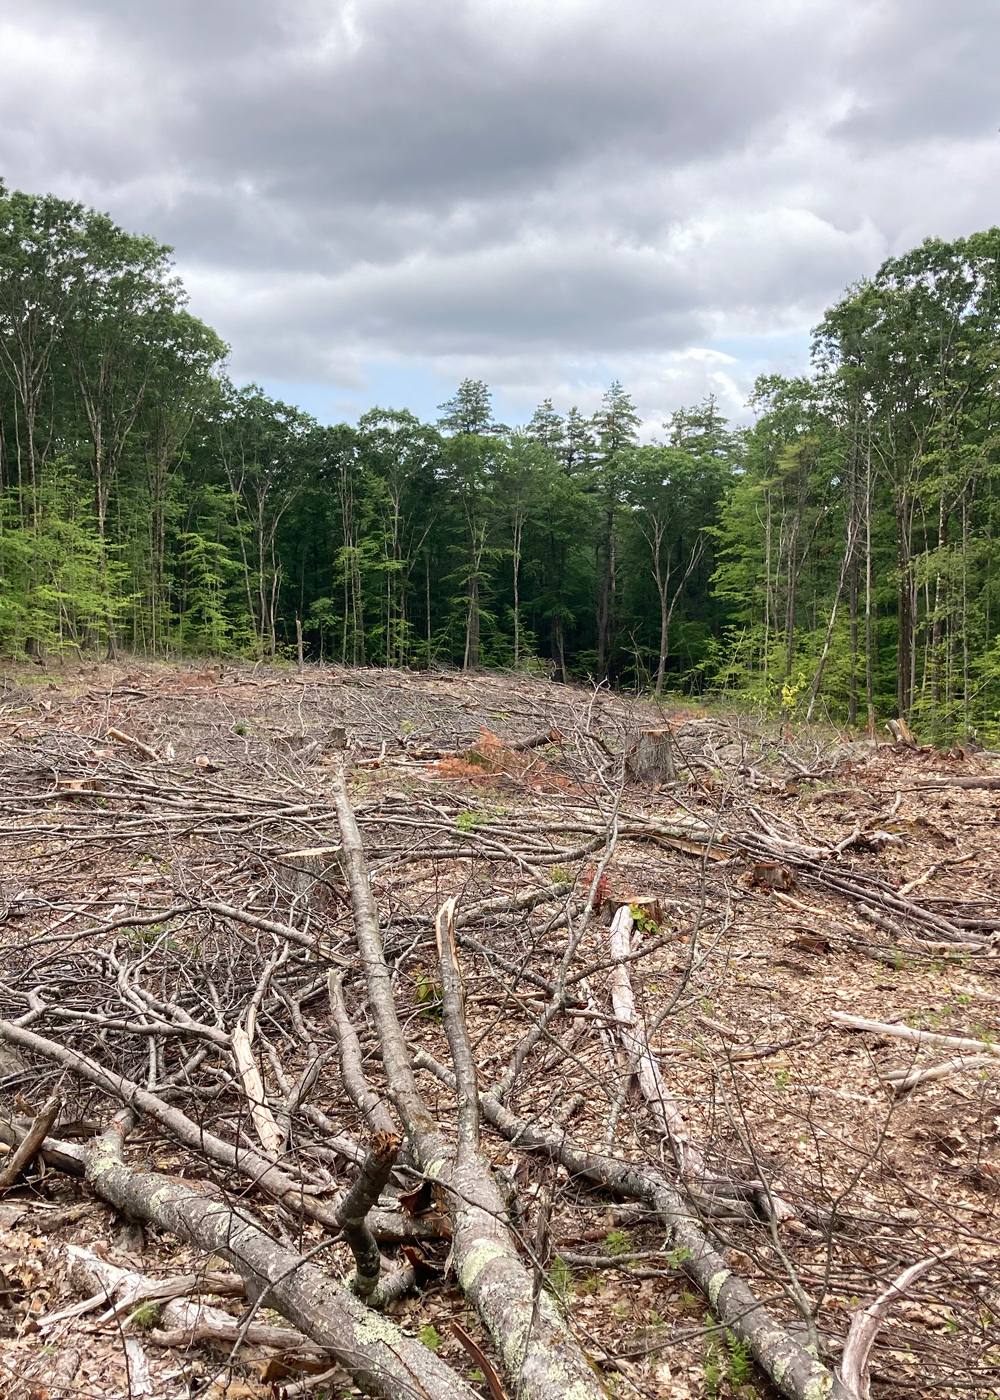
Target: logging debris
(733,1016)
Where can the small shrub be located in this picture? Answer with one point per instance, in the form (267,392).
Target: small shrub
(618,1242)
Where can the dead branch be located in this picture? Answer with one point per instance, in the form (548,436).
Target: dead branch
(29,1146)
(903,1079)
(371,1105)
(537,1348)
(911,1036)
(353,1211)
(865,1326)
(240,1157)
(281,930)
(268,1131)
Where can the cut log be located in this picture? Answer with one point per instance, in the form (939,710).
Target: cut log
(381,1359)
(650,760)
(901,732)
(539,1351)
(535,741)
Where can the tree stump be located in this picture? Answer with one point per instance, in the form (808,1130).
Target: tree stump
(901,732)
(650,760)
(307,877)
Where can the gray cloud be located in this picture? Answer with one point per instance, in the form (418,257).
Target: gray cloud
(541,193)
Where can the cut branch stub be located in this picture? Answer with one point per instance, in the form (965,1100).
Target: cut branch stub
(354,1209)
(650,760)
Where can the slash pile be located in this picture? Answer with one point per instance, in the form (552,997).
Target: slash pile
(382,1032)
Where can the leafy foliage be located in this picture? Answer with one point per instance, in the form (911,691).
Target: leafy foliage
(834,559)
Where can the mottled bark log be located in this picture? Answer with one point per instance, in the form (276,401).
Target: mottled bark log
(381,1359)
(795,1373)
(539,1353)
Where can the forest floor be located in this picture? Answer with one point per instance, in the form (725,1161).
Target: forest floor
(787,877)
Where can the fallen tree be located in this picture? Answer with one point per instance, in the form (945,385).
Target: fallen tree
(793,1370)
(540,1354)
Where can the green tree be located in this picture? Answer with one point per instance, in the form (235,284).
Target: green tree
(616,426)
(470,412)
(672,497)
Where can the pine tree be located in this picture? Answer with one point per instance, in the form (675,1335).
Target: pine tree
(470,412)
(547,426)
(578,450)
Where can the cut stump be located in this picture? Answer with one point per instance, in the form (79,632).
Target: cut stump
(650,760)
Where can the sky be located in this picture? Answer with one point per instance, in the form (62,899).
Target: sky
(371,200)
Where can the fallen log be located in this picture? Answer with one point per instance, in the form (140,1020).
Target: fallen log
(795,1373)
(381,1359)
(911,1036)
(663,1106)
(539,1352)
(706,1186)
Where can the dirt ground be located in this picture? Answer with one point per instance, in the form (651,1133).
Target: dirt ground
(786,877)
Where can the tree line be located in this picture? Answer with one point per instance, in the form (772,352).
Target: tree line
(835,558)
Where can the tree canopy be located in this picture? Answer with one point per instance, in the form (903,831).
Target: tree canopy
(834,558)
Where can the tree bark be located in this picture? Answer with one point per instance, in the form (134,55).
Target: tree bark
(381,1359)
(539,1353)
(651,758)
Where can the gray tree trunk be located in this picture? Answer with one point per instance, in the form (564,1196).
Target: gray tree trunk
(381,1359)
(539,1352)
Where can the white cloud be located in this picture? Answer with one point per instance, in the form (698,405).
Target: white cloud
(546,195)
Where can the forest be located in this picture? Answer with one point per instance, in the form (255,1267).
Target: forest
(832,561)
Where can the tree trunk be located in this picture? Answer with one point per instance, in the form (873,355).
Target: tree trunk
(381,1359)
(539,1351)
(869,633)
(518,524)
(605,606)
(794,1372)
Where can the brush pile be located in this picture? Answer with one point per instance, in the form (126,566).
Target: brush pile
(453,1036)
